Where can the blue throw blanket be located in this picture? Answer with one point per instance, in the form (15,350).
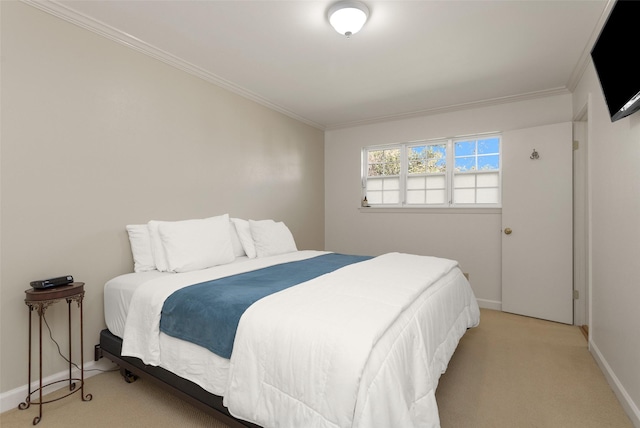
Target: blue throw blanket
(208,313)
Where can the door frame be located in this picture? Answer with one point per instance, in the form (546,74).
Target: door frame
(582,218)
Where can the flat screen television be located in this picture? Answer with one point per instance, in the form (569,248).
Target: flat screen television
(614,55)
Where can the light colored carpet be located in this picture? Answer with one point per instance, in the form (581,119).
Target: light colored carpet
(511,371)
(515,371)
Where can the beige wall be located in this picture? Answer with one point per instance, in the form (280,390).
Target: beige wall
(471,237)
(96,136)
(614,200)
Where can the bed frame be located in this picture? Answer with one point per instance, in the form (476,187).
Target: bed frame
(131,368)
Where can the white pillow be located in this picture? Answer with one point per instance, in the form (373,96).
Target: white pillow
(238,250)
(196,244)
(141,247)
(244,234)
(271,238)
(157,249)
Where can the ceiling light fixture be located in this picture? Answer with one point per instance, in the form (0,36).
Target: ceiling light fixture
(348,17)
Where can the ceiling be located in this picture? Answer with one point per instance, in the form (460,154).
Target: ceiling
(411,57)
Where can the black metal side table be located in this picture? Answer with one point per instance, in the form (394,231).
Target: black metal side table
(40,300)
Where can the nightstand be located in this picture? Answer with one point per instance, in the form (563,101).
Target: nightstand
(40,300)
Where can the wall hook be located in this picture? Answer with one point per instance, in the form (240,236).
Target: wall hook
(534,155)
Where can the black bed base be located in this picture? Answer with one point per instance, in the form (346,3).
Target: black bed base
(130,368)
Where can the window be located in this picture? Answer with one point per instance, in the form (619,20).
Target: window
(383,177)
(460,172)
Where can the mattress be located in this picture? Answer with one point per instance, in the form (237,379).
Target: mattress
(117,297)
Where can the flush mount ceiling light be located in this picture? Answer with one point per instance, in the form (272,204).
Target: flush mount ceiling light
(348,17)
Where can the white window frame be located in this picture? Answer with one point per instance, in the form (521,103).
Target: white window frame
(450,173)
(365,170)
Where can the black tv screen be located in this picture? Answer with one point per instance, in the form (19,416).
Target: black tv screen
(614,55)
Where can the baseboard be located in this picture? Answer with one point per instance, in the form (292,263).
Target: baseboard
(625,400)
(11,399)
(489,304)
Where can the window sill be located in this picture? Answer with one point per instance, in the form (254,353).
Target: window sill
(425,210)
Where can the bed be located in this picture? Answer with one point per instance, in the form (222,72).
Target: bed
(342,341)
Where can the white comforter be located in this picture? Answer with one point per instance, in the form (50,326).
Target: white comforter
(363,346)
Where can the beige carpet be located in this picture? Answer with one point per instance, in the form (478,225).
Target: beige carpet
(515,371)
(511,371)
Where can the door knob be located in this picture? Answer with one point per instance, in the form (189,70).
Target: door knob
(508,231)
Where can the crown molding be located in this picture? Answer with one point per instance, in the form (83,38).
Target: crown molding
(63,12)
(453,108)
(585,58)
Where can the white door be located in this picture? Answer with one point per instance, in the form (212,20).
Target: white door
(537,238)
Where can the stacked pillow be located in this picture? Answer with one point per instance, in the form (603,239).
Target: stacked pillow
(187,245)
(271,238)
(264,238)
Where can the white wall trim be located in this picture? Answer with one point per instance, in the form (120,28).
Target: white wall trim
(585,58)
(453,108)
(11,399)
(63,12)
(489,304)
(629,406)
(428,210)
